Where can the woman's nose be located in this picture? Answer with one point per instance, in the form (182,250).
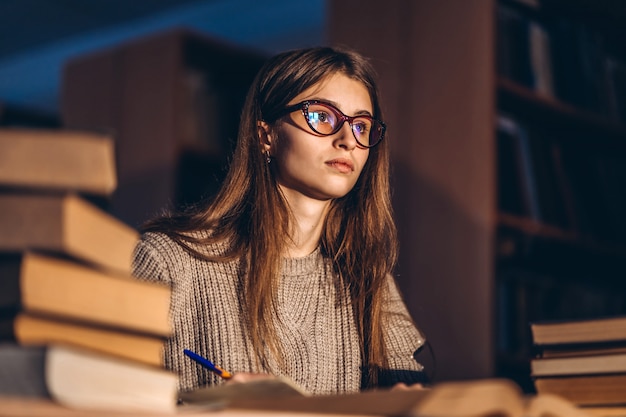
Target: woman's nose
(345,136)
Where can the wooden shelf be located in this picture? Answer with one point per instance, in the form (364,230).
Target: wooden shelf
(523,243)
(538,108)
(531,227)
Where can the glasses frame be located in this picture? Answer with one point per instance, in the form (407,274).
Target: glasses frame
(303,106)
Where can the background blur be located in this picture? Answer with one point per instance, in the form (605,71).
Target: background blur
(506,126)
(38,36)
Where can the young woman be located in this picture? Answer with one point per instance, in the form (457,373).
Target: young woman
(288,269)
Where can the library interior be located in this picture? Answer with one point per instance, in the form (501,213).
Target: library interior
(507,128)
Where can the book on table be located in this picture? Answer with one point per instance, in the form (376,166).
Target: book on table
(55,287)
(591,377)
(581,350)
(586,390)
(57,159)
(88,380)
(31,330)
(583,361)
(578,365)
(84,379)
(65,224)
(606,329)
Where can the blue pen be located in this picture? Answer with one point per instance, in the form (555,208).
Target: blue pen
(208,364)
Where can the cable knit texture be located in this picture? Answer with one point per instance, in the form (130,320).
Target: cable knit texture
(317,333)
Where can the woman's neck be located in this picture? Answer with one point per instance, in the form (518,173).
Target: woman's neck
(308,216)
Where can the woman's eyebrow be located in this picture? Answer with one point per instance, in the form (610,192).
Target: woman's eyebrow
(335,104)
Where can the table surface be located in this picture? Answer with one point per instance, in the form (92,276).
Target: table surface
(37,407)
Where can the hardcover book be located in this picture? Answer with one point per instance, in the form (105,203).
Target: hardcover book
(56,159)
(87,380)
(66,224)
(31,330)
(55,287)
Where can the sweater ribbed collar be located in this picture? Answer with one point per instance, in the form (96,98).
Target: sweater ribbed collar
(303,265)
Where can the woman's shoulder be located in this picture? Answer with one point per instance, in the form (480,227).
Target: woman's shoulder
(158,254)
(156,239)
(157,250)
(159,243)
(188,244)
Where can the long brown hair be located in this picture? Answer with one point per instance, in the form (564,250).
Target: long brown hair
(250,214)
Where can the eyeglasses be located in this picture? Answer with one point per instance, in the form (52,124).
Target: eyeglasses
(325,120)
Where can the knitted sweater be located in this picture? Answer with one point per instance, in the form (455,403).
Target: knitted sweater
(317,333)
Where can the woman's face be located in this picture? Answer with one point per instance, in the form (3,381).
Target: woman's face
(314,166)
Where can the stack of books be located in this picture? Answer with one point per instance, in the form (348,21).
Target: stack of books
(582,360)
(74,323)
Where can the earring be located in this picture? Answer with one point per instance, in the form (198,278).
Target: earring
(268,157)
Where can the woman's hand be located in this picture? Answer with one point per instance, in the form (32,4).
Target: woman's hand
(241,377)
(401,386)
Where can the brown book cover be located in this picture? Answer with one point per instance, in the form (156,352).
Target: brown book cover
(578,365)
(590,349)
(54,287)
(66,224)
(586,390)
(30,330)
(57,159)
(597,330)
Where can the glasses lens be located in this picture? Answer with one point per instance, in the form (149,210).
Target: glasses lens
(322,119)
(362,129)
(326,120)
(377,133)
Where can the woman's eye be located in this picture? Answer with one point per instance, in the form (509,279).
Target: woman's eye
(319,117)
(360,127)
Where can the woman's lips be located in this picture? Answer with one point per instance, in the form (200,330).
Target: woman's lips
(345,166)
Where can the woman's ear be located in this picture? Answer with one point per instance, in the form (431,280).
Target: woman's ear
(264,132)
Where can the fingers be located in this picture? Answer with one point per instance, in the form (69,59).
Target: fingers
(241,377)
(401,386)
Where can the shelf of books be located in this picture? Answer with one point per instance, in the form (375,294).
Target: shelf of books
(561,169)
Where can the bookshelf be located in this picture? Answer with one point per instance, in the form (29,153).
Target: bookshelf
(172,100)
(473,274)
(570,265)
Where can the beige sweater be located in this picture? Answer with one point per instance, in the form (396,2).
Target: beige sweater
(318,335)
